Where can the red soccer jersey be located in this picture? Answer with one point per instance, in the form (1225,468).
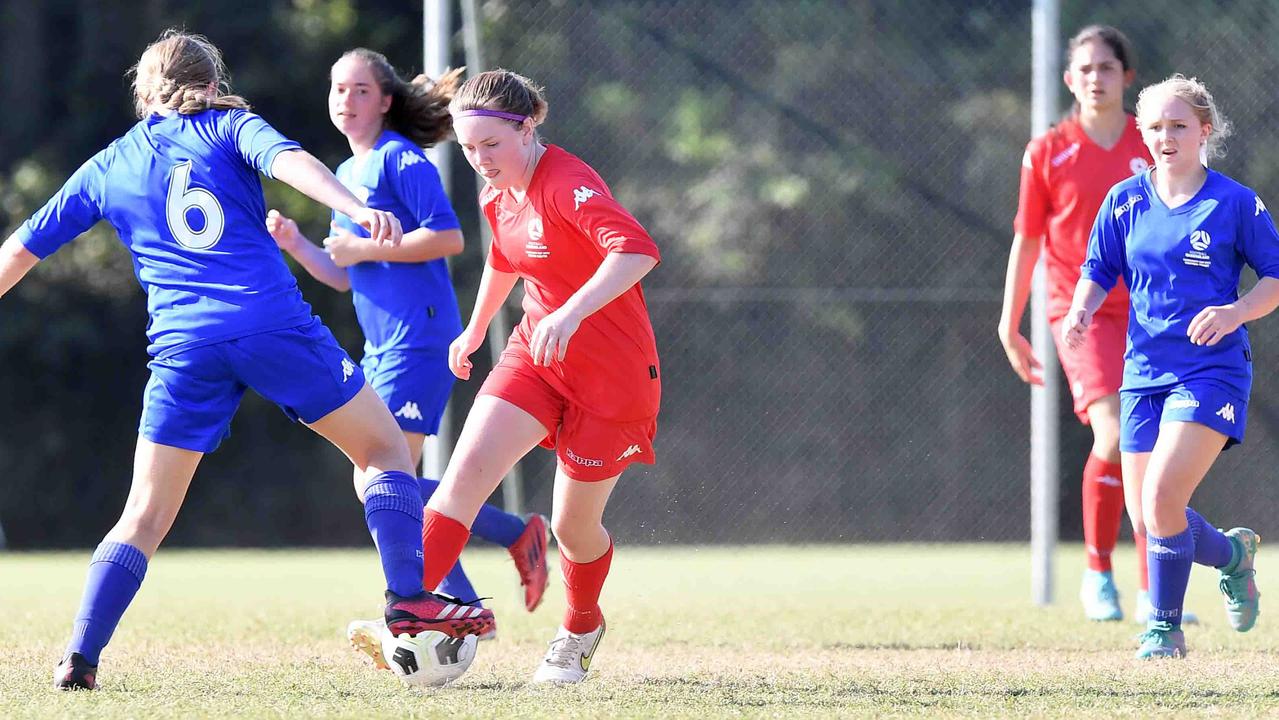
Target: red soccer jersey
(555,239)
(1064,179)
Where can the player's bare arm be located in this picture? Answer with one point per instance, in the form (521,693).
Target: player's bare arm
(618,273)
(15,262)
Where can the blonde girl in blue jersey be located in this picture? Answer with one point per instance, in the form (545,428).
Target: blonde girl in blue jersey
(1179,235)
(181,189)
(404,298)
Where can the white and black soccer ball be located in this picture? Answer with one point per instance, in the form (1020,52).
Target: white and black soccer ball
(430,659)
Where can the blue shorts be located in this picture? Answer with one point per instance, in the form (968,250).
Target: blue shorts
(1198,401)
(192,396)
(414,384)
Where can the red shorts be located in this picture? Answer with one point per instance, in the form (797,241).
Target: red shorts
(1096,368)
(589,448)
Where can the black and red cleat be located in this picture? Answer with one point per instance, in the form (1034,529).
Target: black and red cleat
(429,611)
(529,553)
(75,673)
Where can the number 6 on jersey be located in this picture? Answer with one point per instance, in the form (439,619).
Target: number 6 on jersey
(182,198)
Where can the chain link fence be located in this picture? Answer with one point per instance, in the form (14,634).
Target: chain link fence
(833,185)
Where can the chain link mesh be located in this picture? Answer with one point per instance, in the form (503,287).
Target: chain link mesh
(833,185)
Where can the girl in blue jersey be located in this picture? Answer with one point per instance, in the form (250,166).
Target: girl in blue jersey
(403,296)
(1179,235)
(181,189)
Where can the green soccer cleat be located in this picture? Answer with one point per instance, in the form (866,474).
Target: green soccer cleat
(1161,640)
(1100,597)
(1238,580)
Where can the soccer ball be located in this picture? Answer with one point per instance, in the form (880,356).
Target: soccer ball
(431,659)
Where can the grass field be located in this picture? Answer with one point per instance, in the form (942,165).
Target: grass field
(909,631)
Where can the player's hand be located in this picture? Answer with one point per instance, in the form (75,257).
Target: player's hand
(284,231)
(550,337)
(1214,323)
(1022,357)
(1074,326)
(384,228)
(345,248)
(460,351)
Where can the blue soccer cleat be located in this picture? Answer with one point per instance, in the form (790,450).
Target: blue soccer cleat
(1100,596)
(1161,640)
(1239,585)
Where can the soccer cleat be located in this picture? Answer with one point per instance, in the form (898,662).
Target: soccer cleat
(365,636)
(569,656)
(1161,640)
(529,553)
(1239,586)
(431,611)
(1141,614)
(1100,597)
(75,673)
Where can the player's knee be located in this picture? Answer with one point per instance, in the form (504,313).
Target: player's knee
(574,533)
(1163,515)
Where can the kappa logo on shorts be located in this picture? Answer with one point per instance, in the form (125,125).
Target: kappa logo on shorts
(410,411)
(632,450)
(584,462)
(1227,412)
(348,369)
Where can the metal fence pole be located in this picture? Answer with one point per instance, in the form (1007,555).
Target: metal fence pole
(437,28)
(1044,459)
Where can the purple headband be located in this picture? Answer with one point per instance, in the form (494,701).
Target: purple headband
(513,117)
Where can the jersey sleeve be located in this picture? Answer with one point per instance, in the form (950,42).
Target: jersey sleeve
(1258,240)
(1104,262)
(73,210)
(416,182)
(1033,197)
(585,204)
(256,142)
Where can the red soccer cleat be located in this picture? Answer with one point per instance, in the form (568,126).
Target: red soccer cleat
(75,673)
(529,553)
(428,611)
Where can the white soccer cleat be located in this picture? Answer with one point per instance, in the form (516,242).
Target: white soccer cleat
(569,656)
(366,637)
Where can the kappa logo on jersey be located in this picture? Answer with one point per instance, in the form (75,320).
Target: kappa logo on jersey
(584,462)
(409,159)
(348,369)
(1227,412)
(410,411)
(1138,165)
(1129,204)
(632,450)
(581,195)
(1261,207)
(1061,157)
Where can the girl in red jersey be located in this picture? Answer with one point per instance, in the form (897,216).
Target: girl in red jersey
(1065,176)
(580,373)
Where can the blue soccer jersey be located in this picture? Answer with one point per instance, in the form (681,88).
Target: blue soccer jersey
(183,193)
(1176,262)
(401,306)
